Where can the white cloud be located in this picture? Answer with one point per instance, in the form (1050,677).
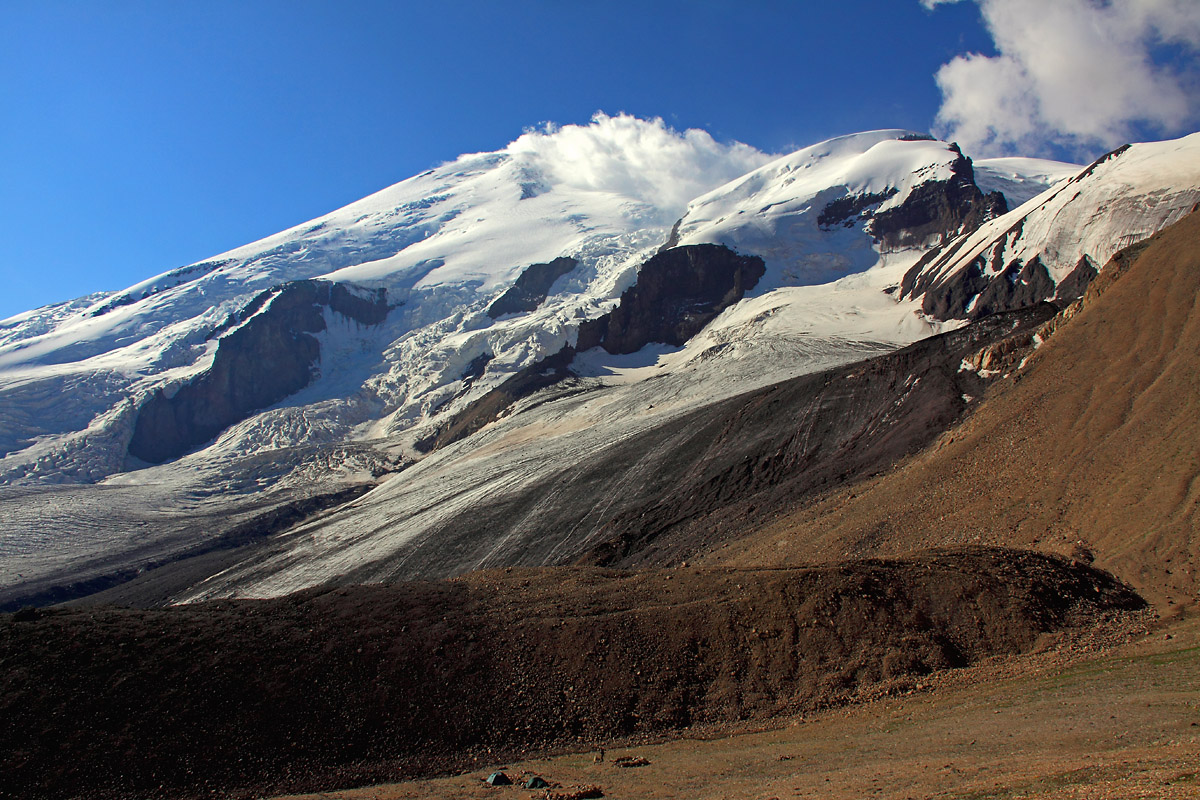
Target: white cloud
(637,158)
(1076,74)
(932,3)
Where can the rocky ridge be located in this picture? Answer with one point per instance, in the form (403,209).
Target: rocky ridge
(264,353)
(1049,248)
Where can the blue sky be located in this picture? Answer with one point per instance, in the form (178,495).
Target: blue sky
(140,136)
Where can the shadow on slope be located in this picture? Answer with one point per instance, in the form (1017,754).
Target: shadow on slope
(372,683)
(661,496)
(728,468)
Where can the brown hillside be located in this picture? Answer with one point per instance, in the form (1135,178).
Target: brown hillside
(366,683)
(1094,445)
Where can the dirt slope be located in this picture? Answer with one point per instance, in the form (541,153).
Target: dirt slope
(1069,723)
(342,687)
(1095,444)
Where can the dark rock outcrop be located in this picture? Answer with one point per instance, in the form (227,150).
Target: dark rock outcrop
(540,375)
(941,209)
(937,210)
(476,368)
(987,284)
(845,211)
(672,238)
(677,293)
(1076,283)
(265,354)
(530,290)
(972,294)
(1018,286)
(952,298)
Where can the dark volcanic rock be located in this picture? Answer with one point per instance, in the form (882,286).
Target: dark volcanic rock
(530,289)
(677,293)
(333,688)
(970,294)
(845,211)
(270,356)
(476,368)
(953,297)
(941,209)
(672,238)
(998,286)
(364,310)
(1075,284)
(545,373)
(1018,286)
(986,285)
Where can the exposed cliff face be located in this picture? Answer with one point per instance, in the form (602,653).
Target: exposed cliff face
(677,293)
(937,210)
(971,293)
(265,354)
(531,288)
(974,294)
(1076,283)
(845,211)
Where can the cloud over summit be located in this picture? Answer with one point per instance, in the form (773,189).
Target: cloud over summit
(642,159)
(1079,76)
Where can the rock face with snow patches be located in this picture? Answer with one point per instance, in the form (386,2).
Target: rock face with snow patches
(532,287)
(268,354)
(938,210)
(678,292)
(1050,247)
(828,210)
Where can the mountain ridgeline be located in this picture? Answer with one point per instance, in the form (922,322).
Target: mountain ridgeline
(538,378)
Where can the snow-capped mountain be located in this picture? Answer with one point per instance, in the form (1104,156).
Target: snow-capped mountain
(438,251)
(542,298)
(440,245)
